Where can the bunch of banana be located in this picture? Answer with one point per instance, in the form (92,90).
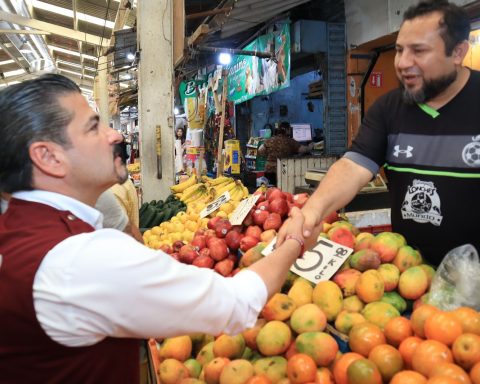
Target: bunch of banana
(199,192)
(217,181)
(178,188)
(187,191)
(239,192)
(224,187)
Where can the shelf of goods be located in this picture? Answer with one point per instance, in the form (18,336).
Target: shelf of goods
(371,321)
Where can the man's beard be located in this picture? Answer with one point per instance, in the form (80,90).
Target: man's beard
(118,152)
(429,90)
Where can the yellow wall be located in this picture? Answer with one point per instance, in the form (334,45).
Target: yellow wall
(472,59)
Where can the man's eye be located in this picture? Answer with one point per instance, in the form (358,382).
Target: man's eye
(94,127)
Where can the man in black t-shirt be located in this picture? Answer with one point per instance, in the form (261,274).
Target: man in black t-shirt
(426,134)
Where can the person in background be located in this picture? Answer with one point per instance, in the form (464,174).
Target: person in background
(77,298)
(426,134)
(280,146)
(179,149)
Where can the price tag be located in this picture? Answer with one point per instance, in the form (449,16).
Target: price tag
(242,209)
(214,205)
(320,263)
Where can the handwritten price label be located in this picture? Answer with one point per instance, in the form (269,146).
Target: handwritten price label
(320,263)
(242,209)
(214,205)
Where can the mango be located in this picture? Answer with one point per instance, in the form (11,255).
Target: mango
(179,348)
(237,372)
(342,235)
(413,283)
(407,257)
(213,370)
(365,259)
(307,318)
(250,334)
(274,368)
(251,256)
(320,346)
(390,275)
(229,346)
(274,338)
(346,320)
(172,371)
(386,244)
(206,354)
(301,292)
(363,240)
(279,307)
(396,300)
(346,280)
(370,286)
(429,270)
(379,313)
(352,304)
(328,296)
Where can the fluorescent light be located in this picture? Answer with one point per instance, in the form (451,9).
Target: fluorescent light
(69,13)
(70,52)
(75,73)
(5,62)
(75,65)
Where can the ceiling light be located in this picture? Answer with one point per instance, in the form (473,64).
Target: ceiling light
(130,56)
(70,52)
(224,58)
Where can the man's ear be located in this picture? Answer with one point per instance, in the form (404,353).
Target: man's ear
(48,157)
(460,51)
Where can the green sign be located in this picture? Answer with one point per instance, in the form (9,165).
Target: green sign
(250,76)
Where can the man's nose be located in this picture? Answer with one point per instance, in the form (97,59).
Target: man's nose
(404,59)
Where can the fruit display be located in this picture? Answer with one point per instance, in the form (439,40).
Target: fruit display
(156,212)
(370,323)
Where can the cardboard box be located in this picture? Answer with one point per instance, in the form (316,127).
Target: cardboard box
(232,157)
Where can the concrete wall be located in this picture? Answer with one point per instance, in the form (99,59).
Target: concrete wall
(370,19)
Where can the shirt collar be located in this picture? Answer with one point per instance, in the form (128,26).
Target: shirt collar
(64,203)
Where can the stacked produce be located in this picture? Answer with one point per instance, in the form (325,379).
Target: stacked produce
(156,212)
(347,330)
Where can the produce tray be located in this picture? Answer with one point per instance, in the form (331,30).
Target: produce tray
(153,361)
(376,228)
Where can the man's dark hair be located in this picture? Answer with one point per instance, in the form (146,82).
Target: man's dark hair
(30,112)
(454,26)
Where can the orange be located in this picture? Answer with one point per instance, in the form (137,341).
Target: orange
(259,379)
(363,337)
(443,327)
(408,377)
(341,365)
(451,370)
(419,316)
(469,318)
(443,380)
(407,347)
(429,354)
(301,368)
(324,376)
(475,374)
(466,350)
(397,329)
(388,360)
(363,371)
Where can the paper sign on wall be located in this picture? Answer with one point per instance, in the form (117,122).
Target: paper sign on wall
(320,263)
(214,205)
(242,209)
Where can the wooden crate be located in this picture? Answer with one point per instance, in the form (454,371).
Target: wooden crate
(291,171)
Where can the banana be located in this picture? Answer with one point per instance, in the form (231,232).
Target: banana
(195,196)
(184,185)
(245,192)
(236,193)
(223,188)
(262,189)
(219,180)
(192,192)
(191,188)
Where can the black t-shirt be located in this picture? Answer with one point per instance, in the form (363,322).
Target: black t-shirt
(432,163)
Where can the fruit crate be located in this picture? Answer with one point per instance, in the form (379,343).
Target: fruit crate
(373,221)
(376,228)
(153,362)
(340,338)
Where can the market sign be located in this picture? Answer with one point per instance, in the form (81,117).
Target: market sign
(320,263)
(248,76)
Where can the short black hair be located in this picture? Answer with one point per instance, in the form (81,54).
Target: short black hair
(454,26)
(30,112)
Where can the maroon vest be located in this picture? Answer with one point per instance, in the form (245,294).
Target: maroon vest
(27,355)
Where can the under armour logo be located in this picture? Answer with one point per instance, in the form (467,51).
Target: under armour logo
(407,152)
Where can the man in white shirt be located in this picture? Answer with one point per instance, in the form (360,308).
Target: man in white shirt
(94,290)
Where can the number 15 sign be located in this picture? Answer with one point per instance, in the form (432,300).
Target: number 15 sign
(320,263)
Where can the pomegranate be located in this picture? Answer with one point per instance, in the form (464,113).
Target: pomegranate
(222,227)
(187,254)
(209,234)
(224,267)
(175,256)
(204,252)
(254,230)
(248,242)
(233,240)
(204,261)
(259,216)
(200,232)
(218,249)
(199,242)
(300,199)
(177,245)
(279,206)
(213,221)
(273,221)
(274,193)
(288,196)
(237,228)
(262,197)
(166,248)
(249,218)
(263,205)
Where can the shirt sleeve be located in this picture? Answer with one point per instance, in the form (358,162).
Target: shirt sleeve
(114,216)
(104,283)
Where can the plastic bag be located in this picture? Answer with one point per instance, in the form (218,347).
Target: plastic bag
(457,280)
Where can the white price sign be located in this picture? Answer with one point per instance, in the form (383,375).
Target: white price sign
(214,205)
(320,263)
(242,210)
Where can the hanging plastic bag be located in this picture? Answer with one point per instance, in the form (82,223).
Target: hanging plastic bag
(457,280)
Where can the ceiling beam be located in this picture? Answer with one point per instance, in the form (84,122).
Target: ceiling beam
(23,32)
(54,29)
(75,27)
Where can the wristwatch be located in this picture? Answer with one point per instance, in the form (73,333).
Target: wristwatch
(299,240)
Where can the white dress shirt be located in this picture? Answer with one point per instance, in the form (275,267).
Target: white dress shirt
(104,283)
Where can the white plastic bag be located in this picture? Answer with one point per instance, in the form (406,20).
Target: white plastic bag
(457,280)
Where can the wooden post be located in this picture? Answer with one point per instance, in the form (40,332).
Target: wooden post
(222,125)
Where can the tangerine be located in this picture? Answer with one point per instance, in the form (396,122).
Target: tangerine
(469,318)
(341,365)
(443,327)
(408,377)
(301,368)
(429,354)
(419,316)
(364,336)
(397,329)
(388,360)
(363,371)
(259,379)
(407,347)
(443,380)
(466,350)
(451,370)
(475,373)
(324,376)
